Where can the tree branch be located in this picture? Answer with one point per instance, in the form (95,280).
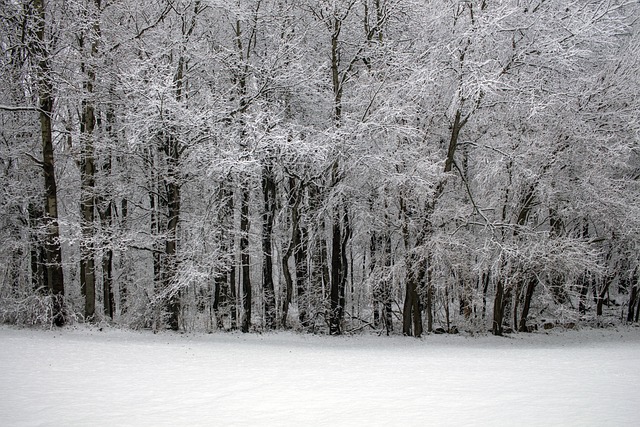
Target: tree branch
(17,108)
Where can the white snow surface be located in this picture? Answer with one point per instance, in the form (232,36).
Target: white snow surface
(84,376)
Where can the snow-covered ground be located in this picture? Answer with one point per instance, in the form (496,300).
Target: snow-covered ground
(87,377)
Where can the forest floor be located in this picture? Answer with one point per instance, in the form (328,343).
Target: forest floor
(88,376)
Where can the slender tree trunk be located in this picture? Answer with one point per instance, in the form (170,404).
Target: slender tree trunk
(412,314)
(107,263)
(219,297)
(453,142)
(269,193)
(170,270)
(429,300)
(87,170)
(633,300)
(53,251)
(37,251)
(602,294)
(105,208)
(344,263)
(244,261)
(302,274)
(294,201)
(499,304)
(123,290)
(335,314)
(531,286)
(583,284)
(288,288)
(486,280)
(233,295)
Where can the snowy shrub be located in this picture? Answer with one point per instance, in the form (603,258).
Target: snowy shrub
(27,310)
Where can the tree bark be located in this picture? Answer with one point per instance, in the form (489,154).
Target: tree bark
(53,251)
(37,259)
(244,261)
(531,286)
(302,273)
(87,170)
(499,304)
(633,300)
(269,193)
(412,314)
(172,185)
(335,315)
(294,202)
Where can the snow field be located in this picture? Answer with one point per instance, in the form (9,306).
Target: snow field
(87,377)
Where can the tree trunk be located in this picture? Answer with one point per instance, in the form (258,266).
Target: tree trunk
(294,201)
(531,286)
(269,193)
(302,274)
(172,185)
(583,284)
(453,142)
(288,288)
(335,315)
(87,172)
(499,304)
(37,251)
(124,292)
(602,294)
(244,261)
(377,291)
(233,296)
(633,300)
(53,252)
(412,314)
(105,208)
(219,297)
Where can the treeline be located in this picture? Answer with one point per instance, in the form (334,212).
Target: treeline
(404,166)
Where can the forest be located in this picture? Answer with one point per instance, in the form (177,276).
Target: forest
(326,166)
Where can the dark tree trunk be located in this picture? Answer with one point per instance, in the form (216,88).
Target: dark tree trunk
(412,313)
(377,292)
(226,282)
(583,284)
(233,295)
(124,292)
(244,261)
(458,123)
(106,209)
(486,280)
(294,202)
(87,173)
(344,263)
(219,297)
(37,251)
(172,185)
(302,274)
(499,304)
(288,288)
(335,314)
(531,286)
(269,193)
(106,219)
(633,301)
(154,219)
(602,294)
(53,252)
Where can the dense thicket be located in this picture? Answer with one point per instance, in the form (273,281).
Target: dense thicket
(336,165)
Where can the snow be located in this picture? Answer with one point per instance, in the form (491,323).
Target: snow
(84,376)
